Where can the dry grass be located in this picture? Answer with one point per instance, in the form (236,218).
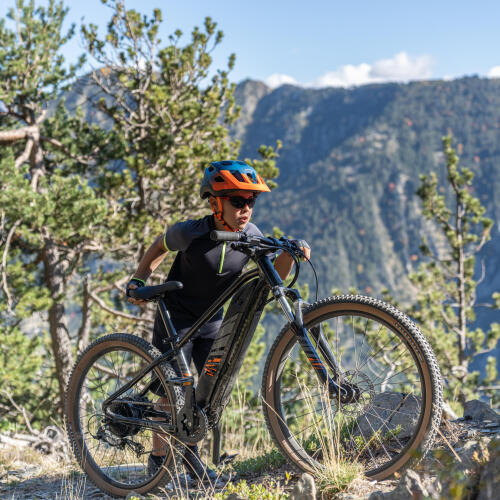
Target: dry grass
(336,473)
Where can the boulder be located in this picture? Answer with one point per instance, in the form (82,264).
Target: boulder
(479,411)
(410,486)
(305,489)
(390,411)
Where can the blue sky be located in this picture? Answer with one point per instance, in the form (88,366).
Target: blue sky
(329,42)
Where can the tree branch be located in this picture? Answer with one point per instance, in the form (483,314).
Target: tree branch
(22,411)
(120,314)
(59,145)
(18,134)
(84,330)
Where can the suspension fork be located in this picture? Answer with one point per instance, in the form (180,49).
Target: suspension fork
(343,392)
(296,321)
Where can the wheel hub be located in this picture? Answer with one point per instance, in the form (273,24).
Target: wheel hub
(126,408)
(361,393)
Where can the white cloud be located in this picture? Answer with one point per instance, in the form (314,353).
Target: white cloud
(399,68)
(494,72)
(278,79)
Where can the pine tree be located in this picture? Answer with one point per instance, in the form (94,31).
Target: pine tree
(169,113)
(446,299)
(49,212)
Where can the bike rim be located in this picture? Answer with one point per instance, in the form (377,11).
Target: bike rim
(122,465)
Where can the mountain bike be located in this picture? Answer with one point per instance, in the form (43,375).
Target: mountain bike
(347,374)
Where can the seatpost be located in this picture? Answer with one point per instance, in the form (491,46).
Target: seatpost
(171,338)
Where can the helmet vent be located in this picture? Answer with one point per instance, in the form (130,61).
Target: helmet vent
(218,179)
(238,175)
(241,163)
(211,169)
(226,163)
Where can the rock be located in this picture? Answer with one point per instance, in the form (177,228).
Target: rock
(489,481)
(479,411)
(470,450)
(234,496)
(390,411)
(305,489)
(410,486)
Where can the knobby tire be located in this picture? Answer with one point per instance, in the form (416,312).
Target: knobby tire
(395,331)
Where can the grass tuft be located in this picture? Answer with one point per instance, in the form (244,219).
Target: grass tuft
(264,463)
(269,491)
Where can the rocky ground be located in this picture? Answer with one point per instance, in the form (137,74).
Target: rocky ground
(465,464)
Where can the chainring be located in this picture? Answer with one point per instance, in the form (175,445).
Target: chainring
(191,434)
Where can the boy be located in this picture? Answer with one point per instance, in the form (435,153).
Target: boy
(206,268)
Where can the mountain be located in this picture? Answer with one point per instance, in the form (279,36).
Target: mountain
(350,166)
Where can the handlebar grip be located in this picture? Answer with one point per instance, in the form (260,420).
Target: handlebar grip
(225,236)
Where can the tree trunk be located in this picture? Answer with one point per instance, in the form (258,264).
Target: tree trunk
(462,319)
(55,266)
(84,330)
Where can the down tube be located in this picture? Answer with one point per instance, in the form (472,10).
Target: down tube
(230,347)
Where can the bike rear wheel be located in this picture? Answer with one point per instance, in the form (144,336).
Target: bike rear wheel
(115,455)
(383,354)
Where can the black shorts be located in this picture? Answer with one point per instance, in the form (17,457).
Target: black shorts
(199,347)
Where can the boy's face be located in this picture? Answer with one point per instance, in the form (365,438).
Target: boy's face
(237,218)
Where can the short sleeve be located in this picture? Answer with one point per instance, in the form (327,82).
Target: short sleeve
(178,237)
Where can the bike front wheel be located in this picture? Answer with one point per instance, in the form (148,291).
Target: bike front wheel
(113,454)
(377,350)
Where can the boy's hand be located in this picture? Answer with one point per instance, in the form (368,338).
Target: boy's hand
(304,247)
(132,285)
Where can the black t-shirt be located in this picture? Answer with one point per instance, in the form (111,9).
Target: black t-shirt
(206,268)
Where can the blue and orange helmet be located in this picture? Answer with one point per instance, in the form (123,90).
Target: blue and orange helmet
(224,177)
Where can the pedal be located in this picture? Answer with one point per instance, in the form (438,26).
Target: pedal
(181,381)
(227,458)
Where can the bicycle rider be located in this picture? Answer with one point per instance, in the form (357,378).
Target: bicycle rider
(205,268)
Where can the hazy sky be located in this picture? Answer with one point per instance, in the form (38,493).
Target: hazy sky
(329,42)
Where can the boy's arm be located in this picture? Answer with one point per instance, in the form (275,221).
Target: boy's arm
(150,261)
(284,262)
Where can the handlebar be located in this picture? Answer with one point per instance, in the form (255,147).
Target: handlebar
(250,243)
(225,236)
(257,241)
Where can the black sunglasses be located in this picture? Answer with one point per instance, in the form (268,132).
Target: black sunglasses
(241,201)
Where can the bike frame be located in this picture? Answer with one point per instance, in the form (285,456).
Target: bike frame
(265,271)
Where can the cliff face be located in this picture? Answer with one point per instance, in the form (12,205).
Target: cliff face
(350,166)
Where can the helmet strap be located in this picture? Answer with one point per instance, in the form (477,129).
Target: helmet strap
(218,215)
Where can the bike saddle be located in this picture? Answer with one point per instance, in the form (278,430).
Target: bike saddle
(155,292)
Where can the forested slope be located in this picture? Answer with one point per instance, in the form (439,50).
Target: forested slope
(350,166)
